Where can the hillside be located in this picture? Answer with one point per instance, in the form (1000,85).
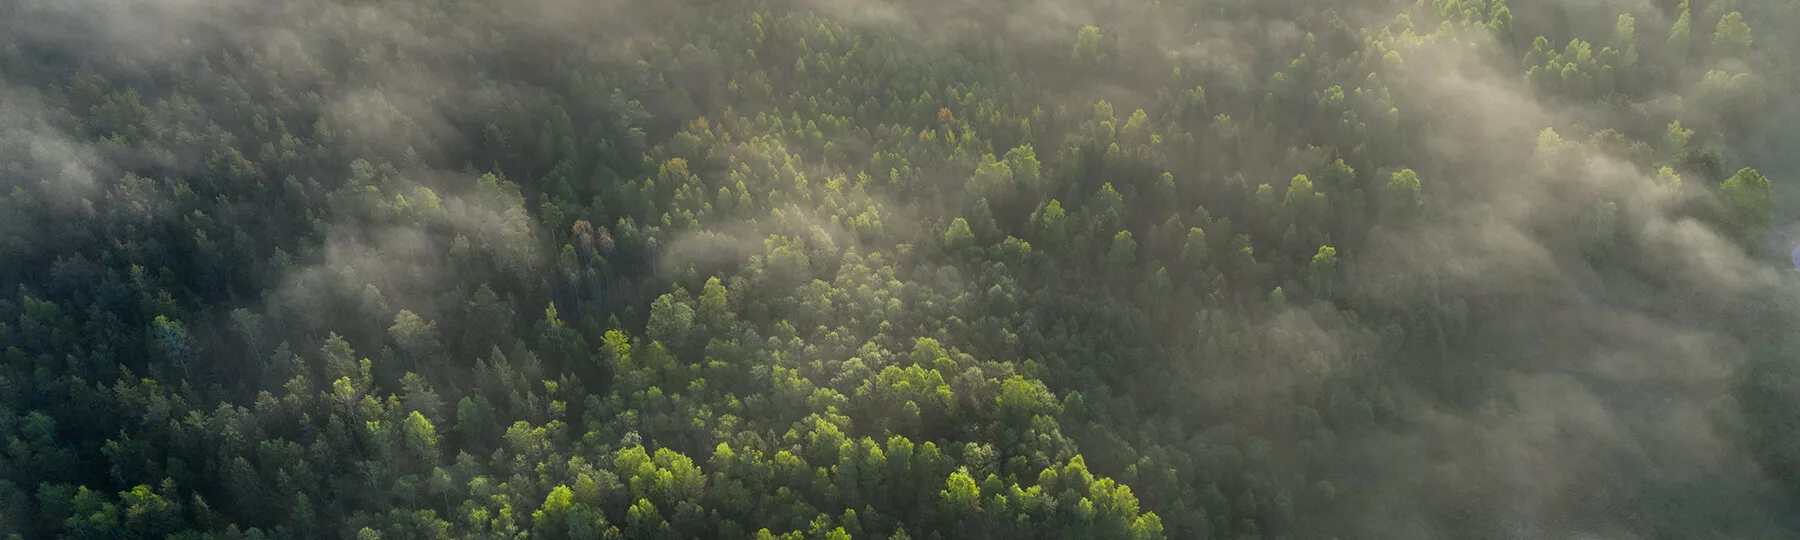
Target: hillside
(936,269)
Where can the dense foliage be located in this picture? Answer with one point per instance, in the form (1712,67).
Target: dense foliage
(1115,269)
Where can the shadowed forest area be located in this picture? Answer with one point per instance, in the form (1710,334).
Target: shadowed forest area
(924,269)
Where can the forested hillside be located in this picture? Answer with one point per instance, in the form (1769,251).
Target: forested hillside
(929,269)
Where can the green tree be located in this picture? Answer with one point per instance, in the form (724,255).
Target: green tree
(1087,48)
(417,338)
(1681,36)
(960,496)
(958,237)
(714,310)
(1123,255)
(1195,253)
(1401,197)
(1023,163)
(671,321)
(172,338)
(1107,211)
(421,439)
(1052,223)
(1732,37)
(1321,273)
(1749,206)
(1675,141)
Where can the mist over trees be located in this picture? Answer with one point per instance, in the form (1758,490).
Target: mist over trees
(1212,269)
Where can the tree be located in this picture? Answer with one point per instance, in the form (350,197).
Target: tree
(781,303)
(1087,48)
(551,518)
(960,496)
(417,338)
(340,360)
(1732,37)
(1681,36)
(992,179)
(1195,253)
(1147,527)
(416,394)
(172,338)
(149,513)
(1022,400)
(958,237)
(1052,223)
(714,311)
(1401,198)
(1675,141)
(248,326)
(1022,162)
(1322,272)
(1625,41)
(421,439)
(671,321)
(557,340)
(1749,207)
(1123,255)
(1106,211)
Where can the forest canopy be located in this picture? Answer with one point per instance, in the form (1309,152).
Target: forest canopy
(934,269)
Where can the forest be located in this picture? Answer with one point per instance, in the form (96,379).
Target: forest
(899,269)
